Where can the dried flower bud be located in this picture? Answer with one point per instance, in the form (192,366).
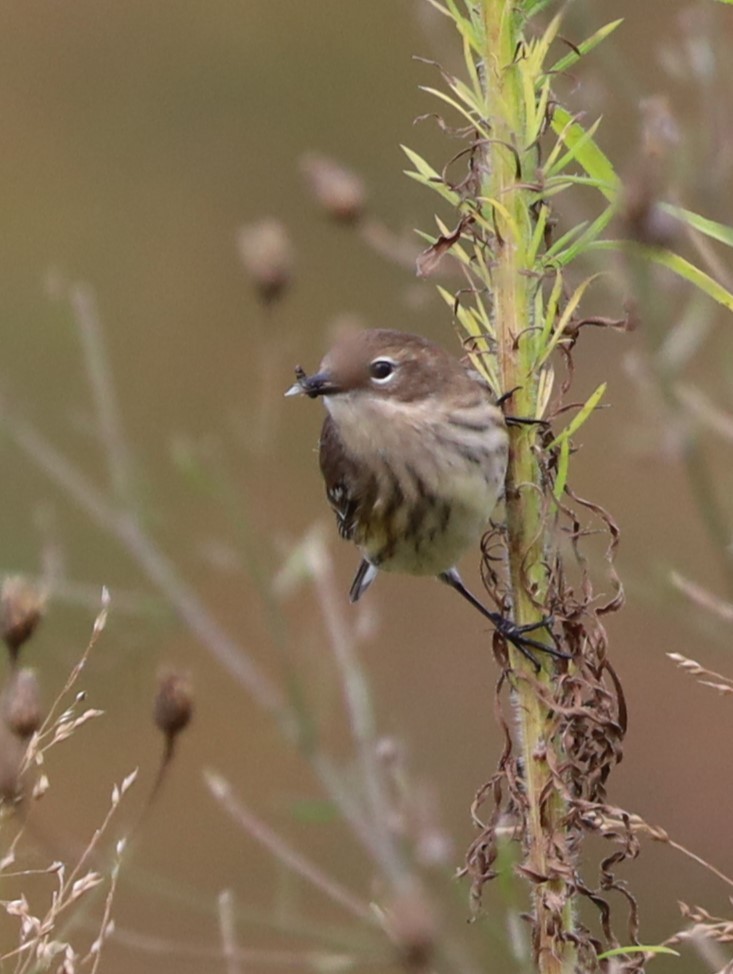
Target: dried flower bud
(22,605)
(267,256)
(21,703)
(173,707)
(12,751)
(339,191)
(413,928)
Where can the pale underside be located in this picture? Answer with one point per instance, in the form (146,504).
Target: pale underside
(417,509)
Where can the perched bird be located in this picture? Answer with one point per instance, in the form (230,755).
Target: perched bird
(413,452)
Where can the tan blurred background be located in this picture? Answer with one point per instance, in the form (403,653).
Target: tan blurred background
(137,138)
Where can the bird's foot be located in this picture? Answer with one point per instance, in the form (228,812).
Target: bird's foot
(508,630)
(525,644)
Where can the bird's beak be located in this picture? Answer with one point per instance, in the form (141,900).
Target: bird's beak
(319,384)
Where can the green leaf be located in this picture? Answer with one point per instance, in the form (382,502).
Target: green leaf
(563,464)
(555,165)
(578,420)
(659,255)
(563,181)
(468,57)
(587,45)
(567,313)
(464,25)
(586,238)
(435,184)
(538,234)
(538,49)
(472,119)
(537,112)
(423,167)
(426,175)
(593,160)
(717,231)
(642,948)
(553,303)
(572,234)
(535,6)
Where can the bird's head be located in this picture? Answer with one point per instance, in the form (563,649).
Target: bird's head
(382,364)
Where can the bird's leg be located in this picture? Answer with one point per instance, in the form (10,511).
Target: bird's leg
(506,396)
(365,575)
(518,420)
(525,421)
(516,635)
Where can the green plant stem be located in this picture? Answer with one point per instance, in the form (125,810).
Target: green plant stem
(507,206)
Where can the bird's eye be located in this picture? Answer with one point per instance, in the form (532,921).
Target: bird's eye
(381,369)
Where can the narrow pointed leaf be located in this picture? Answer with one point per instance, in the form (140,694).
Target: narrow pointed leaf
(659,255)
(642,948)
(711,228)
(557,163)
(578,420)
(473,121)
(587,45)
(587,237)
(563,464)
(595,162)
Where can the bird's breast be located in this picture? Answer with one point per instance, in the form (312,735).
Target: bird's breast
(438,476)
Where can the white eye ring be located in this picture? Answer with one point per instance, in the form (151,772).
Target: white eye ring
(382,370)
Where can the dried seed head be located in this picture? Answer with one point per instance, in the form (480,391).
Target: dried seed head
(22,605)
(267,255)
(21,703)
(413,928)
(339,191)
(173,707)
(12,750)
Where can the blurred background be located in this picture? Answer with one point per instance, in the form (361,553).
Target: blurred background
(138,140)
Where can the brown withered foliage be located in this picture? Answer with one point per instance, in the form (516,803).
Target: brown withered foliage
(428,261)
(586,718)
(585,713)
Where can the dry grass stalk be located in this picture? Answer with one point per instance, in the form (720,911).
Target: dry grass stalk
(42,940)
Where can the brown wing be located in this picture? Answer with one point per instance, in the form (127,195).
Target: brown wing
(342,478)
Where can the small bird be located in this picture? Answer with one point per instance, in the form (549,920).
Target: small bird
(413,452)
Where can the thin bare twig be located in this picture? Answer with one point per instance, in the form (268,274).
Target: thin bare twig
(122,523)
(105,927)
(227,931)
(254,959)
(126,528)
(119,459)
(221,791)
(358,708)
(703,598)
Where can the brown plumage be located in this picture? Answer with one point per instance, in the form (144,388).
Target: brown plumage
(413,453)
